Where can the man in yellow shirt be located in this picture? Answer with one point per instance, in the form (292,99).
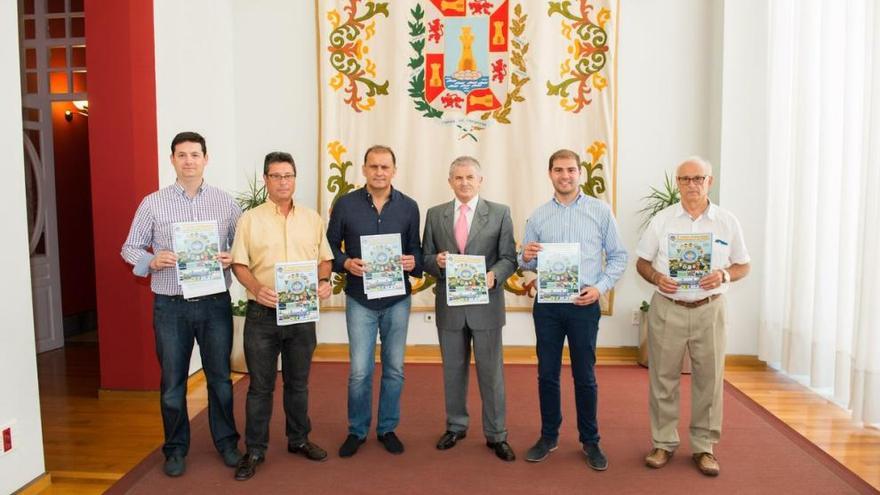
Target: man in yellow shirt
(279,230)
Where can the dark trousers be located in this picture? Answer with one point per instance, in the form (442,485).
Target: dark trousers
(176,324)
(553,323)
(263,341)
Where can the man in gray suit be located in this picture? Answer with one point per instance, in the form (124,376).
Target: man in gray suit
(474,226)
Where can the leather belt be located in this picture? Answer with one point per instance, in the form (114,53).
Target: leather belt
(693,304)
(196,299)
(252,303)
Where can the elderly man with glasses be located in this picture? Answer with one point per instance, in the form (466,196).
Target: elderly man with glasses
(693,318)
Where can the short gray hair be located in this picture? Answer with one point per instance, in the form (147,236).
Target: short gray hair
(707,167)
(465,160)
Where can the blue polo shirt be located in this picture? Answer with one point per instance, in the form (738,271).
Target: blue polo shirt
(354,215)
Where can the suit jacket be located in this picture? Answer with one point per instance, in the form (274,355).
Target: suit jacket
(491,235)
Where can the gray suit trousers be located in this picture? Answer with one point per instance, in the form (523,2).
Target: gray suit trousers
(455,348)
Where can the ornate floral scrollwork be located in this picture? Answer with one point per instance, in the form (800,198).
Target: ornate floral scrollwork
(588,55)
(594,185)
(348,54)
(519,77)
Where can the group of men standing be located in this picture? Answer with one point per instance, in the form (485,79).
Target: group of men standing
(282,230)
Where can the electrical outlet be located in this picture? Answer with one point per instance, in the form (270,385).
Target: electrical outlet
(6,438)
(636,317)
(429,317)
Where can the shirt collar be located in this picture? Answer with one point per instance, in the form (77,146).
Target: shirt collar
(392,195)
(711,212)
(472,204)
(275,206)
(180,190)
(577,199)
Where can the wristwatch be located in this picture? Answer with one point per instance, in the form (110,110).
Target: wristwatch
(725,276)
(325,279)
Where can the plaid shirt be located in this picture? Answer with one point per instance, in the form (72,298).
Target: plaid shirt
(152,228)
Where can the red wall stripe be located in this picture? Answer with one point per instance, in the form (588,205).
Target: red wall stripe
(124,168)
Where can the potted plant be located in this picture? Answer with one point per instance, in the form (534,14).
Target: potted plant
(254,196)
(655,202)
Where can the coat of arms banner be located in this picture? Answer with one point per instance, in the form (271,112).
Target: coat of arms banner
(505,81)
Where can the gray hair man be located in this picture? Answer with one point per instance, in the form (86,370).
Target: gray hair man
(694,319)
(471,225)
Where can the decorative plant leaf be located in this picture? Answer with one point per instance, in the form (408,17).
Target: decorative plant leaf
(254,196)
(658,200)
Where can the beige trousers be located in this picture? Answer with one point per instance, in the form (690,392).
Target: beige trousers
(703,331)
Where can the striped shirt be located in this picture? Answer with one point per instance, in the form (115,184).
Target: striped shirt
(152,228)
(587,221)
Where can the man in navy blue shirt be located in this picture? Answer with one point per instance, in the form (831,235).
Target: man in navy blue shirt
(377,208)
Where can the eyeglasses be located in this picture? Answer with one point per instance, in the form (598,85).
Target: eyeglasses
(698,179)
(279,177)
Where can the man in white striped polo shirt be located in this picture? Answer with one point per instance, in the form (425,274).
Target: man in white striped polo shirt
(572,217)
(178,321)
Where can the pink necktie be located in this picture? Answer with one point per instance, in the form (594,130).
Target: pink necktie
(461,228)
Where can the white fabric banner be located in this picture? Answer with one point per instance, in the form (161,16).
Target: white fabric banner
(506,81)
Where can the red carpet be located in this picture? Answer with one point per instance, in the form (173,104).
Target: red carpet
(758,453)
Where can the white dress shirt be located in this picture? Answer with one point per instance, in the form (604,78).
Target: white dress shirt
(728,246)
(472,204)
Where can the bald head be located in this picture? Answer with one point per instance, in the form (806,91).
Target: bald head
(703,164)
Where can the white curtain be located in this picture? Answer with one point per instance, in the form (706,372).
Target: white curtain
(820,317)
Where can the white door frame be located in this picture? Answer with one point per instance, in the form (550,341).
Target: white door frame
(45,265)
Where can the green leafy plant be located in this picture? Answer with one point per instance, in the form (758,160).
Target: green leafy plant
(254,196)
(655,202)
(658,200)
(239,308)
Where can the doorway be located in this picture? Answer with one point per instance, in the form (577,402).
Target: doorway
(55,124)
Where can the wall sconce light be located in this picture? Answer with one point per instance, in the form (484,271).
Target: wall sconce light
(82,106)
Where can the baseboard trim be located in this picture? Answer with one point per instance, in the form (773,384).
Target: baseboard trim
(516,354)
(513,354)
(86,476)
(194,381)
(37,485)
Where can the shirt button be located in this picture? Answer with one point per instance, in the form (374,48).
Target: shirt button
(380,220)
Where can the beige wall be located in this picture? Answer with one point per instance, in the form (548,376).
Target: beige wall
(19,395)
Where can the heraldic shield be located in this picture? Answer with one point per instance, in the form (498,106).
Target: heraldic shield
(466,55)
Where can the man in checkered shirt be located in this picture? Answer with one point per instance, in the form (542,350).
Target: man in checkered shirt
(178,321)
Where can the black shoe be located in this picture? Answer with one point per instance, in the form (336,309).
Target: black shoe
(311,451)
(502,450)
(247,466)
(449,439)
(391,442)
(541,450)
(351,445)
(175,465)
(595,457)
(231,456)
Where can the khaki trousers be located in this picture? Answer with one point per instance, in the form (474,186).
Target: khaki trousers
(703,331)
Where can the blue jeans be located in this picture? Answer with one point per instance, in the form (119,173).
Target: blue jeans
(391,324)
(176,323)
(553,323)
(263,341)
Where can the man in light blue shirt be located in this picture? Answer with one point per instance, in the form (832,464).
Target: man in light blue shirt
(572,217)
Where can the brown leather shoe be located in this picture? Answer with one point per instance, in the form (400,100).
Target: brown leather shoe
(658,458)
(707,464)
